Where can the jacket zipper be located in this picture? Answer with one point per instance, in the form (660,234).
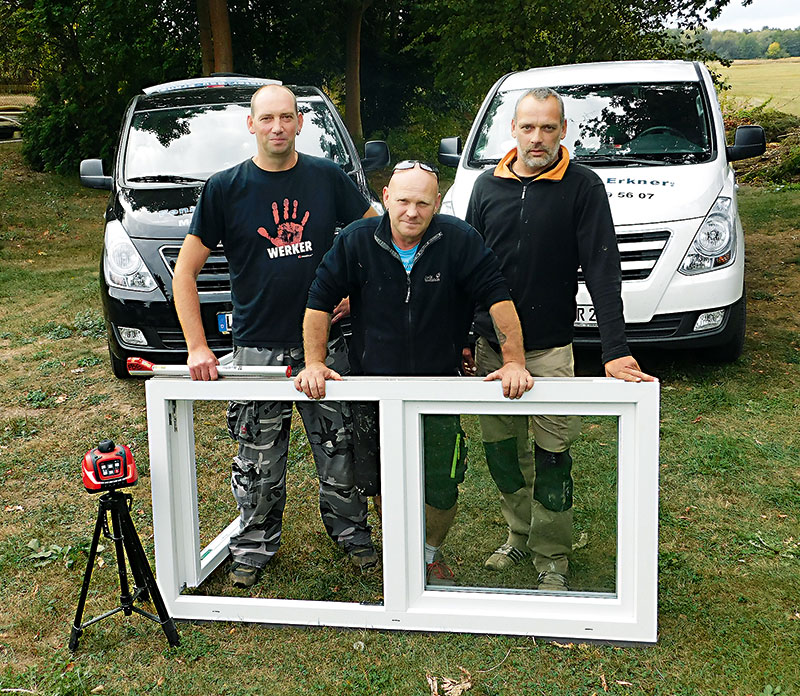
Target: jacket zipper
(522,201)
(417,257)
(409,317)
(519,236)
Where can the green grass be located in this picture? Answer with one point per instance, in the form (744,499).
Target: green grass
(755,81)
(729,562)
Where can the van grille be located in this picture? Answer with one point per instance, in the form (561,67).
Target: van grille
(213,276)
(659,327)
(174,340)
(638,253)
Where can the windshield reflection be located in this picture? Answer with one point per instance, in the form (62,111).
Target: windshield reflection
(613,125)
(194,142)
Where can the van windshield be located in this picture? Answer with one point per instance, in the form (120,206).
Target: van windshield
(183,144)
(613,125)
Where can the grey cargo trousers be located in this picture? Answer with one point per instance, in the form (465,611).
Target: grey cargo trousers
(258,479)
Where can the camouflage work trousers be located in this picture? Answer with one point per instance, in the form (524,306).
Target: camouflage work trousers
(258,479)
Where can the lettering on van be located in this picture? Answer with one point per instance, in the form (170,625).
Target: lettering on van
(638,182)
(631,181)
(177,212)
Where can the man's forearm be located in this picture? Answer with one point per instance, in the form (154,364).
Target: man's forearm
(187,305)
(508,330)
(316,327)
(192,256)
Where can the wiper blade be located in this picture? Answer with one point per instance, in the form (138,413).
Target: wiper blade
(484,162)
(167,178)
(619,160)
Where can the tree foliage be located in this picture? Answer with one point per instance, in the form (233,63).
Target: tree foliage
(425,64)
(742,45)
(90,58)
(519,34)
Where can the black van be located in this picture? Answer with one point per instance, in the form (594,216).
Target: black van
(173,137)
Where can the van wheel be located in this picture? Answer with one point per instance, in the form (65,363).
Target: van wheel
(118,367)
(731,350)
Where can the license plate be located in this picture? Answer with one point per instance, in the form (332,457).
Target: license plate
(225,322)
(584,316)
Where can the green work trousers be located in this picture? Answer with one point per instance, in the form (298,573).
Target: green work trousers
(509,455)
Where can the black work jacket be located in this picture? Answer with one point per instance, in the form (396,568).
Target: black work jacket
(541,231)
(408,323)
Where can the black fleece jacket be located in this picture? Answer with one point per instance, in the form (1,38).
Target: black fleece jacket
(408,323)
(542,231)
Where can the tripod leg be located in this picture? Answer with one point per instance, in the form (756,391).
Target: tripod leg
(141,566)
(117,511)
(87,577)
(140,584)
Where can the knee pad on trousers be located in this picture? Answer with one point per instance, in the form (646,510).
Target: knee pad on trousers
(553,484)
(503,462)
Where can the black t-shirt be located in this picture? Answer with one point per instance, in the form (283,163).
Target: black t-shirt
(275,228)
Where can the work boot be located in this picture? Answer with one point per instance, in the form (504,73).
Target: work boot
(242,575)
(363,557)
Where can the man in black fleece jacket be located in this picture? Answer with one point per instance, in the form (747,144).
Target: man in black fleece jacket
(544,216)
(413,279)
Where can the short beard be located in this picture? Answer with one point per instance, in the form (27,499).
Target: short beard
(539,162)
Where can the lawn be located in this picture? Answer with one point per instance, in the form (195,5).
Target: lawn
(729,553)
(755,81)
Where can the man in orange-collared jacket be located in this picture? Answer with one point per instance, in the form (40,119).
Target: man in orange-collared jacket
(545,216)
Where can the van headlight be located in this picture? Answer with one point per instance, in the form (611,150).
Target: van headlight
(123,265)
(714,245)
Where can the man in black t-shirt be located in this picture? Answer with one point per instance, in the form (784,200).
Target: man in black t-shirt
(275,215)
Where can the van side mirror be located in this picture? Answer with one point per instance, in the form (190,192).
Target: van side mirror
(748,141)
(376,155)
(450,151)
(92,175)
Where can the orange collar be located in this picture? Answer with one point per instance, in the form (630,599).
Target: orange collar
(556,173)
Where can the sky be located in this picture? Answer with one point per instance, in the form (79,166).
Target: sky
(777,14)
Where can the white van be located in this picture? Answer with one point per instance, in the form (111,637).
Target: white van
(653,132)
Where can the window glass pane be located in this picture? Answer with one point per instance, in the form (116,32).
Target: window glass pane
(659,122)
(308,565)
(574,528)
(200,140)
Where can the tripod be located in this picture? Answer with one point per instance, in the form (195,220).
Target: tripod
(125,540)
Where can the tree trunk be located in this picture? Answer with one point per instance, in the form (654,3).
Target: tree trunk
(352,104)
(221,33)
(206,42)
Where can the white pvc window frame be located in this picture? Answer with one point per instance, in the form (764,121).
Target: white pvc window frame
(629,614)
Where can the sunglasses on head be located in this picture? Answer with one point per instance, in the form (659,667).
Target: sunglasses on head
(410,164)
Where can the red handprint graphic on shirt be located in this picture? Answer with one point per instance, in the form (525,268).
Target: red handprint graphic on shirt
(288,231)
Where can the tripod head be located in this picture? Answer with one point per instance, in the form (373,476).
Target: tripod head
(108,467)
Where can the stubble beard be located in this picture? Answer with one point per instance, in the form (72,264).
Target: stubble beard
(533,162)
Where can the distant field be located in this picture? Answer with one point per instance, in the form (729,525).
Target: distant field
(754,81)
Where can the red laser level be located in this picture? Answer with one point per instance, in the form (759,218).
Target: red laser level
(107,467)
